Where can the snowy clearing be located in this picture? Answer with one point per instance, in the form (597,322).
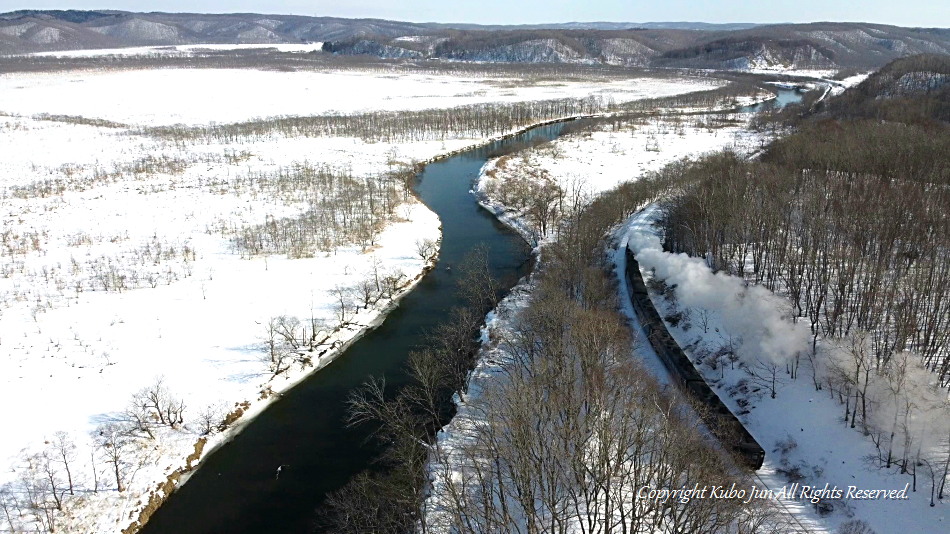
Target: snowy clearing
(586,164)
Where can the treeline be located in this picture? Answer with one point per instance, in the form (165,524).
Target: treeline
(264,59)
(720,98)
(864,261)
(884,150)
(471,121)
(911,89)
(855,250)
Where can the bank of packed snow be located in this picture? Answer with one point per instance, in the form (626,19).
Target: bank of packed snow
(86,203)
(801,429)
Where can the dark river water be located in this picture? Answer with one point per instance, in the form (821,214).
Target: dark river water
(236,489)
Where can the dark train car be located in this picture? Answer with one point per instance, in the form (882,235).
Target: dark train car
(717,416)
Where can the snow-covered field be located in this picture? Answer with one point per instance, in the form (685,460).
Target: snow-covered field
(189,310)
(154,97)
(179,50)
(117,270)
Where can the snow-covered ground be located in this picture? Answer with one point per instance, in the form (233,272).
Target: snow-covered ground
(195,311)
(178,50)
(801,429)
(154,97)
(117,269)
(839,87)
(590,163)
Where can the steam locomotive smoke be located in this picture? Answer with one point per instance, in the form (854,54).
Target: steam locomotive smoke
(754,314)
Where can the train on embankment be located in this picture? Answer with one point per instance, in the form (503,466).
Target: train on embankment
(720,420)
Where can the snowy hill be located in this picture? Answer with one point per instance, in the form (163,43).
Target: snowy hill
(822,45)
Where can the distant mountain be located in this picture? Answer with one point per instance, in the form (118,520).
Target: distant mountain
(820,45)
(619,47)
(697,26)
(814,45)
(43,30)
(32,31)
(604,26)
(828,46)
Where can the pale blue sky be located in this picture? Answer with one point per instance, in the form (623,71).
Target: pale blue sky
(926,13)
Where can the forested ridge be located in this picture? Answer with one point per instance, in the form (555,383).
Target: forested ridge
(847,218)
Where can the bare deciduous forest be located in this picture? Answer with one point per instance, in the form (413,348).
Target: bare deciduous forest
(847,218)
(570,462)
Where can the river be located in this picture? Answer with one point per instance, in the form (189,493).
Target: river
(783,98)
(237,489)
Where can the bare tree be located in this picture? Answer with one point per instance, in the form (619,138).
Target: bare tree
(65,450)
(343,297)
(155,405)
(114,443)
(427,249)
(210,417)
(274,351)
(10,507)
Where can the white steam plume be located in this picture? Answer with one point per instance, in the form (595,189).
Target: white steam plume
(753,313)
